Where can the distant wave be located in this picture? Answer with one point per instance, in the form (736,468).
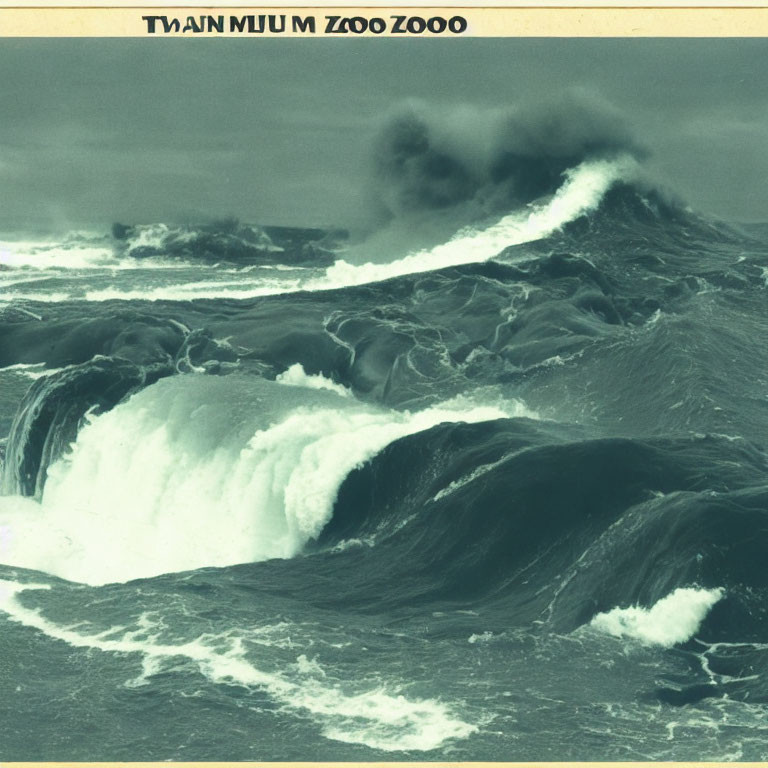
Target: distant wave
(230,242)
(163,247)
(581,193)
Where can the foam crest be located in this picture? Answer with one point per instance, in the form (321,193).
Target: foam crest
(200,471)
(375,718)
(296,376)
(673,619)
(581,193)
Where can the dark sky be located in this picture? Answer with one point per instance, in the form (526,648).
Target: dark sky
(280,131)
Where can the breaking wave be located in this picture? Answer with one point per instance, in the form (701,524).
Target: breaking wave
(190,480)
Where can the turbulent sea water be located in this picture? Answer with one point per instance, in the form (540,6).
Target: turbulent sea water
(504,498)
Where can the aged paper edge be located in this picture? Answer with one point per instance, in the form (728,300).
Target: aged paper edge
(497,18)
(692,22)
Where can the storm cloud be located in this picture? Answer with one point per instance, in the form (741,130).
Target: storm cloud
(428,158)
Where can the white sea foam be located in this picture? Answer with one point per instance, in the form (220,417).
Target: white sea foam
(245,287)
(195,472)
(204,289)
(673,619)
(50,297)
(47,255)
(31,260)
(296,376)
(153,236)
(376,717)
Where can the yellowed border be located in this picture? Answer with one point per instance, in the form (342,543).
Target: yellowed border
(603,5)
(384,765)
(482,22)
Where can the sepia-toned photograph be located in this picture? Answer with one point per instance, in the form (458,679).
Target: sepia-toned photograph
(377,399)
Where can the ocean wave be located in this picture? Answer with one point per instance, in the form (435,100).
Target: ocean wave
(230,242)
(534,526)
(185,466)
(580,194)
